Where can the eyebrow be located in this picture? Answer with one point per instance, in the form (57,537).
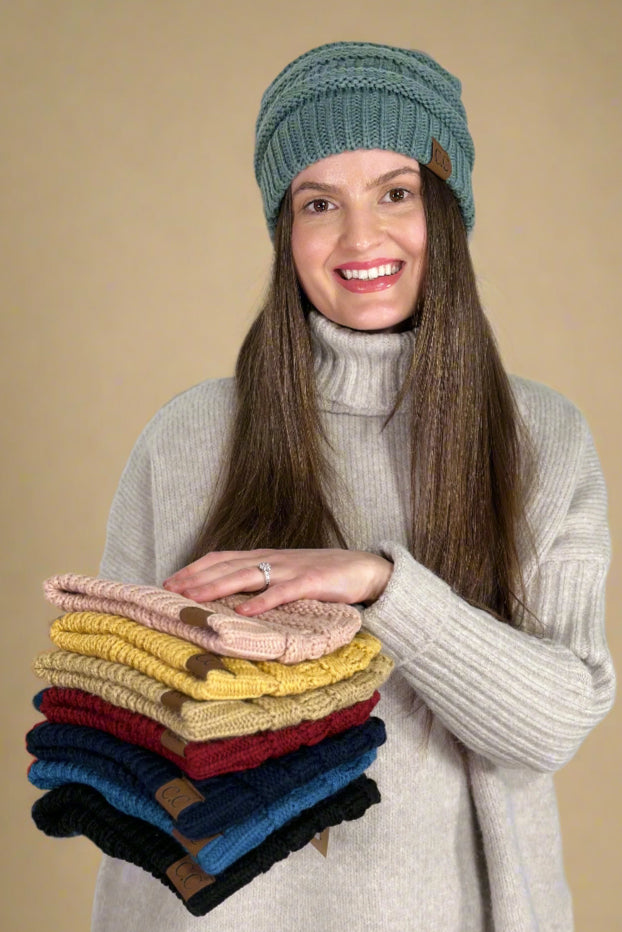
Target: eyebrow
(333,189)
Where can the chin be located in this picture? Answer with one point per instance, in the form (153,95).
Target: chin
(373,323)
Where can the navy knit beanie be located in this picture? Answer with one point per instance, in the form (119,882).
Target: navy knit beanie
(74,809)
(359,95)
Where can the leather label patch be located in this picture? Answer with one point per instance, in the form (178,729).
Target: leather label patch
(193,615)
(320,841)
(171,741)
(440,163)
(201,664)
(173,699)
(192,845)
(177,795)
(187,877)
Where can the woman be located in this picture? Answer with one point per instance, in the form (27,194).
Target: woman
(372,450)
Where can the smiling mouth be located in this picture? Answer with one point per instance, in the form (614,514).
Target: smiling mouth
(378,271)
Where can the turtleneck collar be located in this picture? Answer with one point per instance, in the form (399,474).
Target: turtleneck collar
(358,372)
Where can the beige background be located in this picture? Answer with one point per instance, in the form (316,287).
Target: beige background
(134,252)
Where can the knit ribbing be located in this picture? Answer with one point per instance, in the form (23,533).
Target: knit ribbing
(167,658)
(349,377)
(235,838)
(427,871)
(360,95)
(199,760)
(203,807)
(210,719)
(74,809)
(302,630)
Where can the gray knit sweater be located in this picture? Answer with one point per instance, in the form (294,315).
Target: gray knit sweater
(463,839)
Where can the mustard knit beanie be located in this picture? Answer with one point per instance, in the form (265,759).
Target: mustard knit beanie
(204,720)
(359,95)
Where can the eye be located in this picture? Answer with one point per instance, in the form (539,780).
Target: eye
(396,195)
(319,205)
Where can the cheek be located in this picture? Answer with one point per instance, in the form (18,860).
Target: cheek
(415,239)
(309,253)
(299,251)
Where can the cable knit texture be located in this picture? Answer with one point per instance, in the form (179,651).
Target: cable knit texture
(75,809)
(205,720)
(202,807)
(169,659)
(236,838)
(302,630)
(360,95)
(467,838)
(197,759)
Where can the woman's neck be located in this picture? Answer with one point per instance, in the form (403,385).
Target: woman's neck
(358,371)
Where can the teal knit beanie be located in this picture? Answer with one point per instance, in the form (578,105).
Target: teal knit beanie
(359,95)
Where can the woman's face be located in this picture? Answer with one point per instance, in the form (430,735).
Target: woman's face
(359,237)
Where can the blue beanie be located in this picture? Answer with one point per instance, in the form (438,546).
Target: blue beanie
(237,838)
(73,809)
(359,95)
(202,807)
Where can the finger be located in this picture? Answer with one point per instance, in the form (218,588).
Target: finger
(211,560)
(207,573)
(247,579)
(198,567)
(280,594)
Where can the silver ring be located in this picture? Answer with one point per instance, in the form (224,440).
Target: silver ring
(265,569)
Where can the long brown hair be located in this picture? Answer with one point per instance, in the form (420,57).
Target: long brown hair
(469,458)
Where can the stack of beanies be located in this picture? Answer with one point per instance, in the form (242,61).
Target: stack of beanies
(198,744)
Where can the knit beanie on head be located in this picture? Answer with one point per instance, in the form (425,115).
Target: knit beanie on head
(359,95)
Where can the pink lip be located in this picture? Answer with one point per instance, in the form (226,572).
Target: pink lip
(359,286)
(368,264)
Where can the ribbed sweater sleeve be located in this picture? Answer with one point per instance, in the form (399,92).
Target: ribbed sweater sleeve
(517,698)
(167,486)
(130,551)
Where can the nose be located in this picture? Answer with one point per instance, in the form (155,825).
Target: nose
(362,229)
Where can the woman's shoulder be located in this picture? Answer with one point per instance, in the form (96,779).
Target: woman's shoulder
(206,406)
(556,427)
(540,404)
(568,490)
(558,432)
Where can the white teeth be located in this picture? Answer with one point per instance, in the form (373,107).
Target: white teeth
(369,274)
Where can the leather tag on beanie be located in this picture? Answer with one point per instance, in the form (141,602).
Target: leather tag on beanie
(201,664)
(177,795)
(320,841)
(173,699)
(171,741)
(193,845)
(193,615)
(440,163)
(187,877)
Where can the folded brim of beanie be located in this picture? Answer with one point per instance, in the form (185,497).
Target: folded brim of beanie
(79,810)
(205,721)
(302,630)
(179,665)
(216,853)
(197,759)
(205,807)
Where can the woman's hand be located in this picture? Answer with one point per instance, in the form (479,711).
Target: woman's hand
(328,575)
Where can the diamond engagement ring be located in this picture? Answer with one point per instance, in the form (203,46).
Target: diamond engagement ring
(265,569)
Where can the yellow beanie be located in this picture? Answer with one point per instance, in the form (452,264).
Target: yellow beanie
(209,720)
(181,666)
